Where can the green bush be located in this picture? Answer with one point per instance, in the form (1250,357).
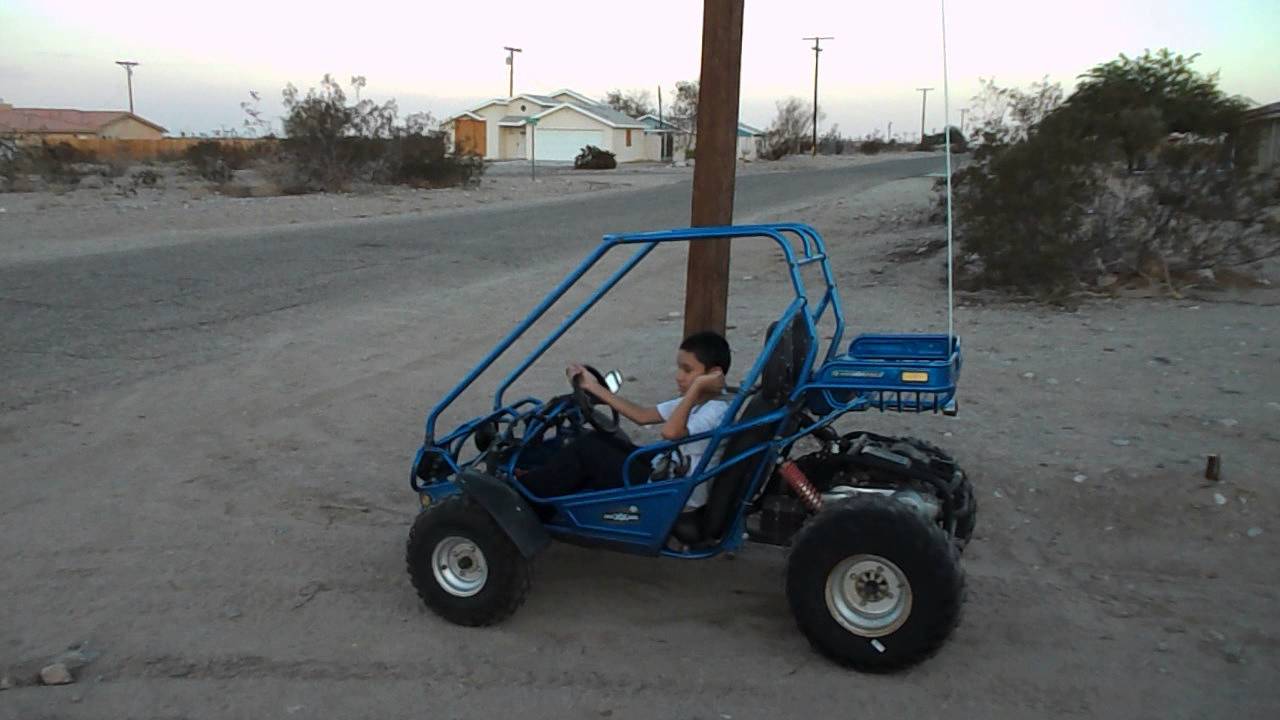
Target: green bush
(1045,206)
(593,158)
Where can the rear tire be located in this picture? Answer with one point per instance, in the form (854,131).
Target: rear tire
(873,586)
(464,566)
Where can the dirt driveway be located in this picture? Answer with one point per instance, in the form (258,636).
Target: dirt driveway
(227,540)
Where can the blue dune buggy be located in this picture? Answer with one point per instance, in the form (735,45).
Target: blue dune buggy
(875,524)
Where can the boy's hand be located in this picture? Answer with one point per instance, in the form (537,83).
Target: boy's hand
(711,383)
(585,379)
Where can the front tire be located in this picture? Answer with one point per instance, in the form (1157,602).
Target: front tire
(464,566)
(873,586)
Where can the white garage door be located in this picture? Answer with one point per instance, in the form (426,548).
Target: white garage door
(564,144)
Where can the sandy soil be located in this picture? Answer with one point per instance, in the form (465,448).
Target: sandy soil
(59,222)
(228,540)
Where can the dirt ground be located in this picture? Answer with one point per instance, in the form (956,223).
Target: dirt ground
(120,214)
(227,541)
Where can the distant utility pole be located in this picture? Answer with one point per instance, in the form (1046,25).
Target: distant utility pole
(128,66)
(963,113)
(817,48)
(924,100)
(511,70)
(889,136)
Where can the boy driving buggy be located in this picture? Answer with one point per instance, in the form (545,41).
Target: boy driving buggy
(595,460)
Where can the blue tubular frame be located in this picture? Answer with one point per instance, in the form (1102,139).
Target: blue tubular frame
(813,251)
(664,499)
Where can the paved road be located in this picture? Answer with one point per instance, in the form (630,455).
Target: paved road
(73,325)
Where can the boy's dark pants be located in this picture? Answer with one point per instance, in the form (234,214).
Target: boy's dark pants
(591,462)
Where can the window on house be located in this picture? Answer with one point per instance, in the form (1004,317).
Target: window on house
(628,138)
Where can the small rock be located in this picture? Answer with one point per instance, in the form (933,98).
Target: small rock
(1234,654)
(1274,405)
(1119,442)
(1219,499)
(231,612)
(998,494)
(1079,478)
(748,277)
(1029,375)
(56,674)
(1254,532)
(1228,422)
(674,314)
(6,682)
(1052,381)
(1162,647)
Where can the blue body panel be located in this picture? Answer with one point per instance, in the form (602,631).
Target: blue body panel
(639,517)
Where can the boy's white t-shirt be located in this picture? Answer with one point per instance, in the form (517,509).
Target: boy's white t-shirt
(702,418)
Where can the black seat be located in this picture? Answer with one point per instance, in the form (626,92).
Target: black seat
(781,375)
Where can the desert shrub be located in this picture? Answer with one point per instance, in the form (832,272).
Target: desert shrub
(217,162)
(791,130)
(1050,202)
(593,158)
(329,144)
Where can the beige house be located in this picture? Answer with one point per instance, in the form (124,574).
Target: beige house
(55,124)
(552,127)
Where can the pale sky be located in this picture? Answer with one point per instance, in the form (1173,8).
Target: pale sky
(197,65)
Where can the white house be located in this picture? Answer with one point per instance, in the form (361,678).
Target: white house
(555,127)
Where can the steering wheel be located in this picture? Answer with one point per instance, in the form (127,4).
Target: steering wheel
(587,404)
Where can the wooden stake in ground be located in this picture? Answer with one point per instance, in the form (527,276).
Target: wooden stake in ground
(707,280)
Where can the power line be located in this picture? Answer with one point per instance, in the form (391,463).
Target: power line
(128,66)
(511,71)
(817,48)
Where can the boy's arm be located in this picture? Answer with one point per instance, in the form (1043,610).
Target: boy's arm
(638,414)
(677,426)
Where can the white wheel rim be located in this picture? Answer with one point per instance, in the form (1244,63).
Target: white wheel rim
(459,566)
(868,595)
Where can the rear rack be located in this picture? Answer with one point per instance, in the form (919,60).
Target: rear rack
(900,373)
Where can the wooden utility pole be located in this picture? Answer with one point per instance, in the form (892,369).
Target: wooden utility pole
(128,66)
(924,101)
(817,48)
(706,295)
(511,70)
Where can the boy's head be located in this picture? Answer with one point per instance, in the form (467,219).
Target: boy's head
(699,354)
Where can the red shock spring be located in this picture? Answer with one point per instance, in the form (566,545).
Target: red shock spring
(800,484)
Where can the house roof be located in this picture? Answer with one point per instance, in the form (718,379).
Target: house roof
(59,120)
(655,125)
(603,113)
(581,103)
(576,95)
(745,130)
(1263,112)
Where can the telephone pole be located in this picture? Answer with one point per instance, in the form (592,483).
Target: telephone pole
(817,48)
(128,66)
(963,112)
(924,100)
(511,70)
(706,294)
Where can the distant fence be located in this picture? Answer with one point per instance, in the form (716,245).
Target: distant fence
(157,149)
